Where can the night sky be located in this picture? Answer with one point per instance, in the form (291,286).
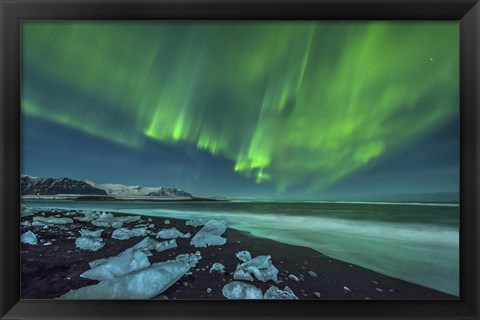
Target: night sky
(283,110)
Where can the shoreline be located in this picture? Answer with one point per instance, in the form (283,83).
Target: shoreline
(224,199)
(53,266)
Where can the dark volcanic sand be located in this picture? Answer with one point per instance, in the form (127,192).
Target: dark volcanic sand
(49,271)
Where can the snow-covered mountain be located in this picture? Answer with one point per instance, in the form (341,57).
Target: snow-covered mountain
(67,186)
(50,186)
(120,190)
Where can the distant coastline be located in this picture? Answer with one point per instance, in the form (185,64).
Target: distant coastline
(79,197)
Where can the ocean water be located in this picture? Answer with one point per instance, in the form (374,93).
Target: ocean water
(418,243)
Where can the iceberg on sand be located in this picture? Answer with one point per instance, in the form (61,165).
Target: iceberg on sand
(90,240)
(196,222)
(117,266)
(26,211)
(29,238)
(210,234)
(148,244)
(125,233)
(261,267)
(190,259)
(275,293)
(244,255)
(49,221)
(145,283)
(217,267)
(110,221)
(141,284)
(240,290)
(172,233)
(89,233)
(165,245)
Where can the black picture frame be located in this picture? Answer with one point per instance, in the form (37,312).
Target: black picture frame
(467,12)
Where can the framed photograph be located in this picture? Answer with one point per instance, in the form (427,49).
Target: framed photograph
(239,159)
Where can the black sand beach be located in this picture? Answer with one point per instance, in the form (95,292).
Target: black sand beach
(53,266)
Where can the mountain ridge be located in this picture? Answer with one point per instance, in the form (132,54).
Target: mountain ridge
(67,186)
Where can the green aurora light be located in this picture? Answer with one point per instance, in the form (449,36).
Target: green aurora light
(291,102)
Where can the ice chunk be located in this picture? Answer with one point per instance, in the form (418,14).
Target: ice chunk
(172,233)
(88,233)
(275,293)
(102,223)
(89,243)
(240,290)
(217,267)
(312,274)
(147,243)
(29,238)
(127,219)
(117,224)
(241,274)
(105,216)
(265,274)
(108,220)
(97,262)
(90,240)
(260,266)
(196,222)
(260,262)
(147,252)
(167,221)
(125,233)
(190,259)
(142,284)
(49,221)
(210,234)
(118,266)
(87,216)
(26,223)
(165,245)
(244,255)
(26,211)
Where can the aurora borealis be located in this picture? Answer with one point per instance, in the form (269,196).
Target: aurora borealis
(249,108)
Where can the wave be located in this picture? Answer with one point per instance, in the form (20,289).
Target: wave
(421,253)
